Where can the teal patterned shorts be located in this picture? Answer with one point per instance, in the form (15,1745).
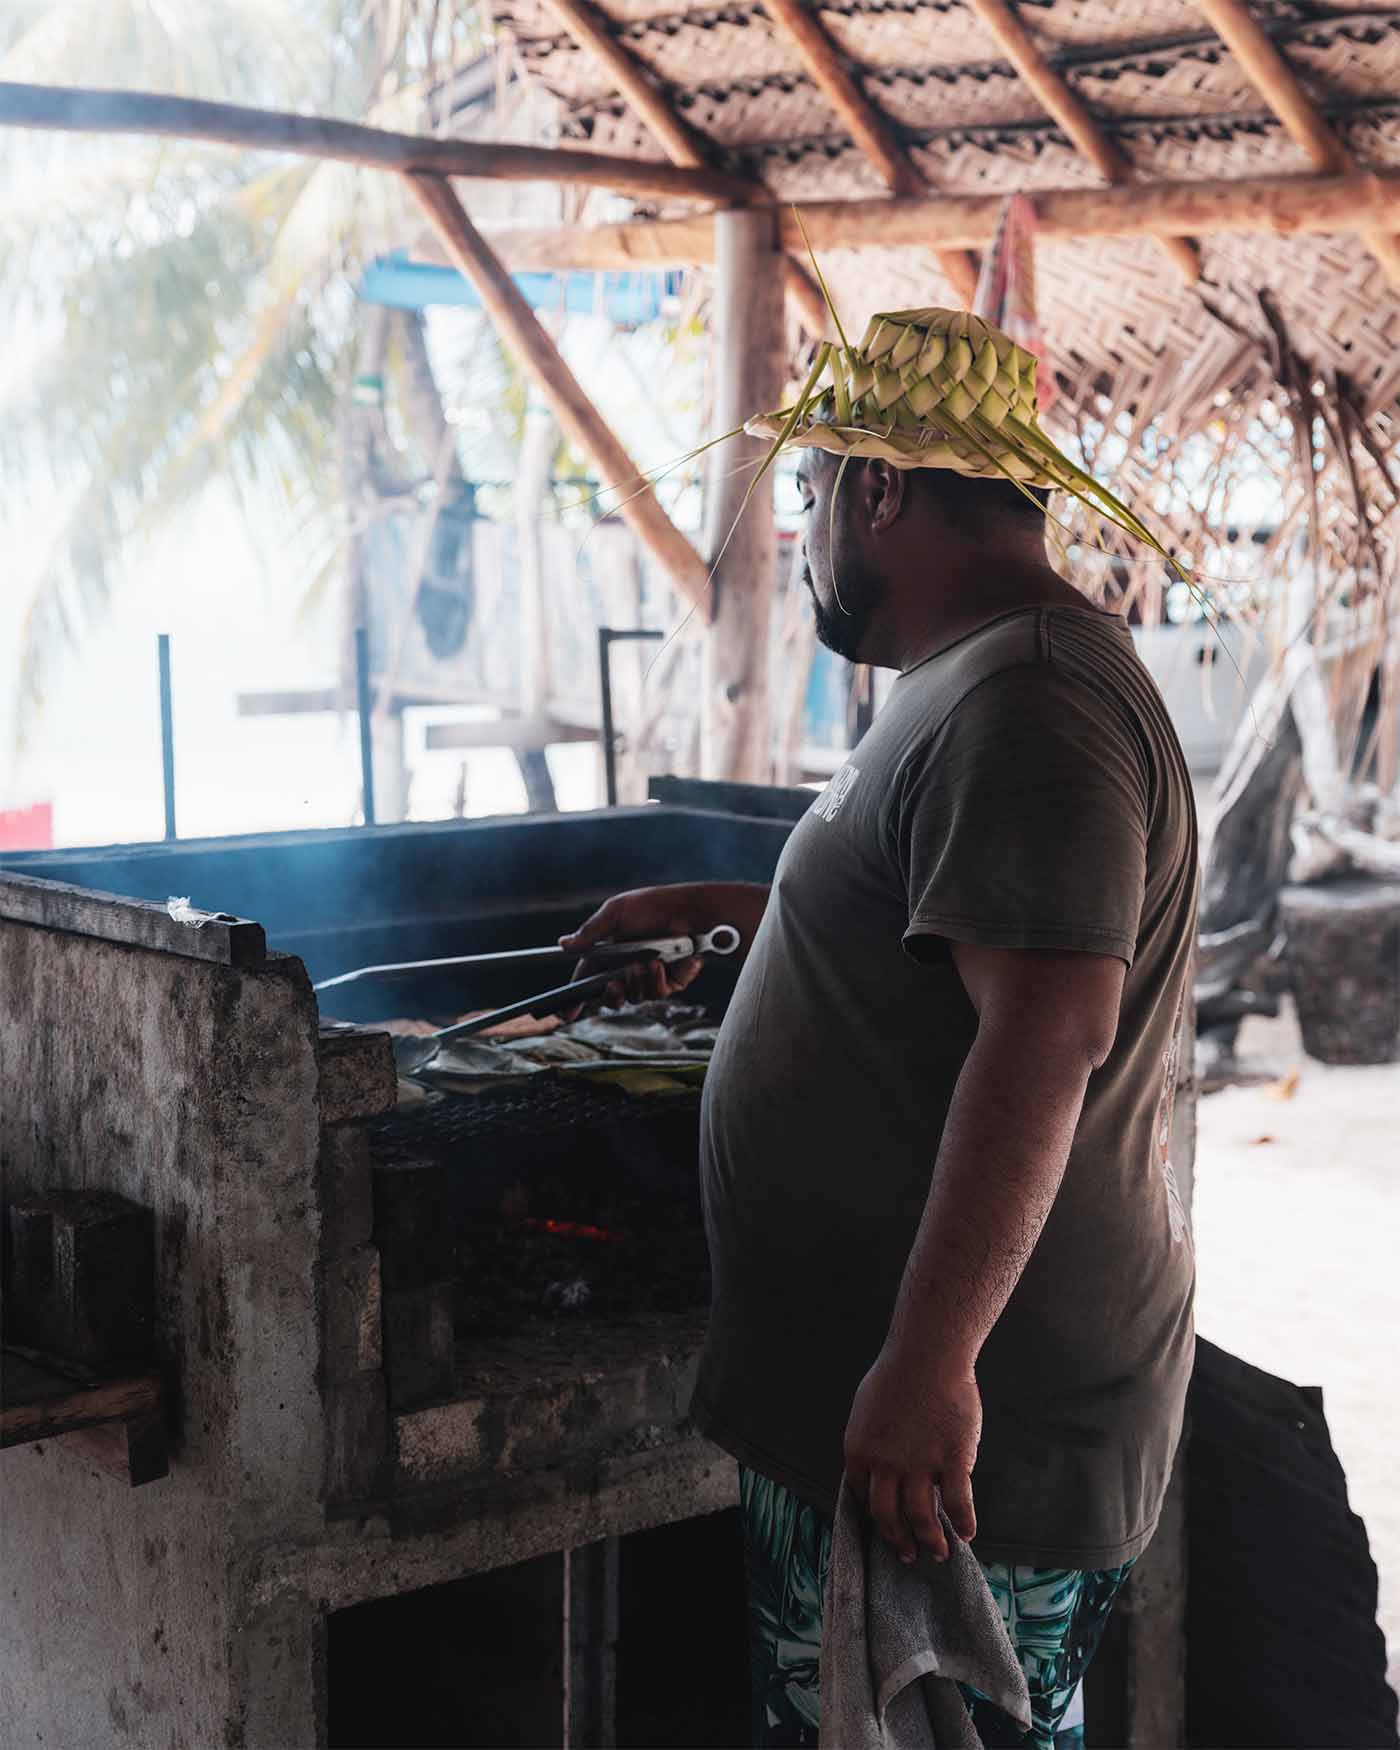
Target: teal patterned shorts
(1055,1617)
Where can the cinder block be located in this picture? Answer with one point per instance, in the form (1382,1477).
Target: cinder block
(357,1073)
(357,1438)
(347,1201)
(351,1321)
(419,1343)
(81,1277)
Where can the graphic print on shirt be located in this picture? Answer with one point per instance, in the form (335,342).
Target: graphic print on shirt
(1162,1134)
(829,804)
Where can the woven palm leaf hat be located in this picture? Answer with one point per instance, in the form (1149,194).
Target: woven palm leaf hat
(937,389)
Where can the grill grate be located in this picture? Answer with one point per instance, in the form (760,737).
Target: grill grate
(537,1169)
(536,1107)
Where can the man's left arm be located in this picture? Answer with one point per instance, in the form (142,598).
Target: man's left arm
(1046,1021)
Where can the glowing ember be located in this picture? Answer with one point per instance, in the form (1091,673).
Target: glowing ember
(570,1230)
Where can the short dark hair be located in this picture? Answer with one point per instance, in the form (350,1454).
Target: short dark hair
(966,498)
(990,498)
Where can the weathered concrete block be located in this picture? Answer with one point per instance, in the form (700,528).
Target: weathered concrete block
(419,1343)
(347,1202)
(412,1223)
(351,1321)
(357,1437)
(81,1277)
(357,1073)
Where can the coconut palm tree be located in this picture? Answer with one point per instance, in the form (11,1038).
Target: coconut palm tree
(186,313)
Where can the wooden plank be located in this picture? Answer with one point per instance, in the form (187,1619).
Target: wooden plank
(138,923)
(512,732)
(38,1403)
(1276,82)
(869,129)
(520,329)
(1064,106)
(75,109)
(1283,204)
(134,1451)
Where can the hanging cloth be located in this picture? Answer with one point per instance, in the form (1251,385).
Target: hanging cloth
(1005,293)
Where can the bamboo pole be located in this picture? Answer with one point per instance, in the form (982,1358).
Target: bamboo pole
(1276,82)
(537,354)
(72,109)
(1064,107)
(1281,204)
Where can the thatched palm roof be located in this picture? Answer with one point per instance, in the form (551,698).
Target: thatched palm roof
(1164,91)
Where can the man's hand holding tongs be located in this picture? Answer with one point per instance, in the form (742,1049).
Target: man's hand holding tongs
(693,909)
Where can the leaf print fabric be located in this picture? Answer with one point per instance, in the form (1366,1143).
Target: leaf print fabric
(1054,1616)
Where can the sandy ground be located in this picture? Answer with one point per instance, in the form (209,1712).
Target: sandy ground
(1297,1217)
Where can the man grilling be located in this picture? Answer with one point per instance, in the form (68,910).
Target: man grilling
(950,1258)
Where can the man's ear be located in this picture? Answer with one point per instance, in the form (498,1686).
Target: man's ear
(885,484)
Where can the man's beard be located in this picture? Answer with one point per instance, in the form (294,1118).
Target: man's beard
(843,631)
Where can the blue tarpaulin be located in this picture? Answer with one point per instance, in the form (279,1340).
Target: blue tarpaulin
(628,299)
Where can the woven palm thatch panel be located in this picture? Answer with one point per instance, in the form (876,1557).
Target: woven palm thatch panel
(1339,307)
(990,161)
(710,43)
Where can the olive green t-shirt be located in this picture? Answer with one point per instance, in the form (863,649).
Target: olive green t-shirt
(1022,788)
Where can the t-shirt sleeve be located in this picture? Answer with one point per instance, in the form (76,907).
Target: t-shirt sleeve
(1023,822)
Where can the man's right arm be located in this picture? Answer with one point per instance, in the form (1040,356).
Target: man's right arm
(684,909)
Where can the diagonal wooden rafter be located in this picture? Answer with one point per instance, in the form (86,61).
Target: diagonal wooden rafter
(1276,82)
(520,329)
(871,132)
(1064,107)
(681,144)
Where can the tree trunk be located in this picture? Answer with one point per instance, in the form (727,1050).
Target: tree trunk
(749,350)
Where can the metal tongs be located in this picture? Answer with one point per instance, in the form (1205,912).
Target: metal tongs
(415,1053)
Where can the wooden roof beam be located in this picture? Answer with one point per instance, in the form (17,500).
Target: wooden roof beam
(74,109)
(1064,107)
(520,329)
(681,144)
(1279,204)
(1276,82)
(868,128)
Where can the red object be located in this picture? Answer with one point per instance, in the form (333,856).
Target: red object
(571,1230)
(27,829)
(1006,287)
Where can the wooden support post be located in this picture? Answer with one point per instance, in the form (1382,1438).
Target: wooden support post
(519,328)
(1276,82)
(748,350)
(592,1626)
(1064,107)
(869,129)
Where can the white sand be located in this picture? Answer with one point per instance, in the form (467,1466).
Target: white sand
(1297,1216)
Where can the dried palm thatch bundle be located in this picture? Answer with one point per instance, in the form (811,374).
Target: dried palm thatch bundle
(937,389)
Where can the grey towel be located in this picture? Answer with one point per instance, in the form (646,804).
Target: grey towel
(896,1642)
